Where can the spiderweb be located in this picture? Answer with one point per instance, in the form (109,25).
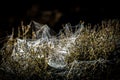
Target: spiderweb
(25,54)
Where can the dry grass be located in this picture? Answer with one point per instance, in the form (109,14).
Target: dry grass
(92,45)
(98,42)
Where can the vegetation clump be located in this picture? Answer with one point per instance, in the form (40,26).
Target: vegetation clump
(80,51)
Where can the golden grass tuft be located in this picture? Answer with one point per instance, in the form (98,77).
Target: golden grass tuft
(93,43)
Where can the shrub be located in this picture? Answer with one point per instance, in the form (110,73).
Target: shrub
(80,51)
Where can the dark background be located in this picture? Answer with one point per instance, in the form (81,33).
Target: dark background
(13,12)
